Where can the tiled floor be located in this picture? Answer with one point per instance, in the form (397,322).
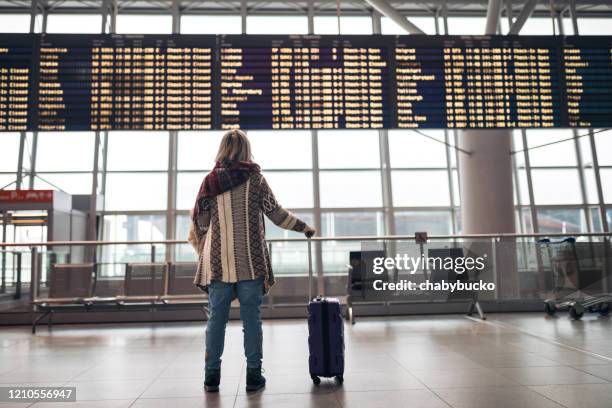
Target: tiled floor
(513,360)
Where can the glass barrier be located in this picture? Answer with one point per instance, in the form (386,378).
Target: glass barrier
(502,269)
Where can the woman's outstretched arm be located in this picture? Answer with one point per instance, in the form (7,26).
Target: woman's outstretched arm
(278,215)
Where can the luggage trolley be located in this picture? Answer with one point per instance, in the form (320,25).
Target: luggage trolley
(564,263)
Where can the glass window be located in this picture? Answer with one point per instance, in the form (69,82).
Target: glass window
(187,187)
(71,183)
(348,149)
(603,144)
(595,219)
(197,150)
(523,187)
(564,220)
(346,224)
(466,25)
(184,252)
(427,24)
(74,23)
(289,258)
(420,188)
(348,25)
(14,23)
(606,184)
(277,25)
(136,191)
(65,151)
(591,186)
(556,186)
(280,149)
(456,190)
(433,222)
(137,151)
(144,24)
(274,231)
(131,228)
(291,189)
(594,26)
(409,149)
(517,146)
(9,152)
(562,153)
(211,25)
(585,148)
(7,181)
(350,189)
(538,26)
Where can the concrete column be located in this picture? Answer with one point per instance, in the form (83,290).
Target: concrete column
(487,203)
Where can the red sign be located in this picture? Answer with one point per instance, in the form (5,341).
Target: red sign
(26,196)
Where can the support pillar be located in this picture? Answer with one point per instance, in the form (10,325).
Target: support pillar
(487,203)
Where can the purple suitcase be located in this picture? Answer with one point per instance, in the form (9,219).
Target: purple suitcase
(325,339)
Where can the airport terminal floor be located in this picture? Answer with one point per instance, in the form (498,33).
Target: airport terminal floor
(347,177)
(511,360)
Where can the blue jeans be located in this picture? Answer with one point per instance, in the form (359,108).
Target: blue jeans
(250,296)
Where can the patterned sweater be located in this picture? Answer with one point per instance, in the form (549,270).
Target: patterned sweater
(229,234)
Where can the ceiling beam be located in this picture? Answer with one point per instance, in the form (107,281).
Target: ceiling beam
(389,11)
(523,16)
(493,13)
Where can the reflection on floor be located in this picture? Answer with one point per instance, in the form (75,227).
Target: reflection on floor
(513,360)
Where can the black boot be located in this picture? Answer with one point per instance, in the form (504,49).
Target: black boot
(254,380)
(212,378)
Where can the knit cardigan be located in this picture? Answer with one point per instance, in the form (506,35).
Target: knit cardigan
(229,234)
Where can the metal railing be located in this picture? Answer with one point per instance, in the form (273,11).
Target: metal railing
(321,274)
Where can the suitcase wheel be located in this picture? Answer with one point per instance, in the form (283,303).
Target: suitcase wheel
(316,380)
(340,379)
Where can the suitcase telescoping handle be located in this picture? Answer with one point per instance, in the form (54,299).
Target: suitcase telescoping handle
(309,271)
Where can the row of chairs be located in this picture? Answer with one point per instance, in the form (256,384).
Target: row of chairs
(153,285)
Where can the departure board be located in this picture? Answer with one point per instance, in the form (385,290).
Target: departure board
(106,82)
(587,66)
(15,74)
(477,82)
(134,82)
(304,82)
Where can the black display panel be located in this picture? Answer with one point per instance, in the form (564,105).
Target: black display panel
(478,82)
(305,82)
(15,75)
(587,67)
(196,82)
(124,82)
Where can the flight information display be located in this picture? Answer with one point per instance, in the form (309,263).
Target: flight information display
(57,82)
(304,82)
(587,65)
(124,82)
(15,74)
(477,82)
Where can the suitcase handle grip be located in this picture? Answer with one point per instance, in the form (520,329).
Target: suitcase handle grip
(309,270)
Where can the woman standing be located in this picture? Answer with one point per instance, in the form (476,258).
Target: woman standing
(228,233)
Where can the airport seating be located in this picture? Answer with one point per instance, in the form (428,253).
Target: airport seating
(145,285)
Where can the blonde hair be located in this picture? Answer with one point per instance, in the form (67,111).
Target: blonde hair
(234,146)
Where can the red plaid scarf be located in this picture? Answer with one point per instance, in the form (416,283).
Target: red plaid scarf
(225,176)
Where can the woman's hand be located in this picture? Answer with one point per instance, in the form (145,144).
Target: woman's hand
(309,231)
